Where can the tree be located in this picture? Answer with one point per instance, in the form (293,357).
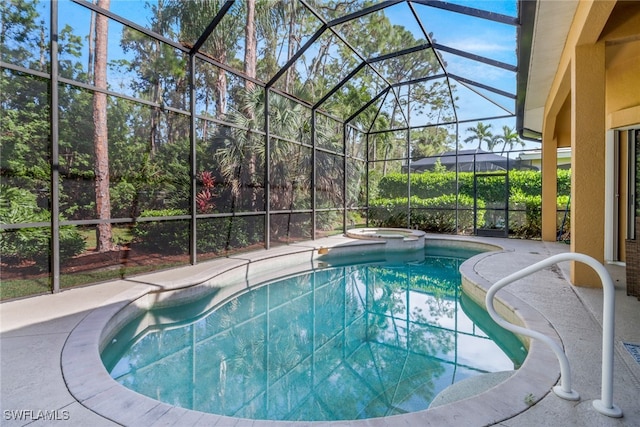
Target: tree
(430,141)
(250,63)
(270,21)
(24,126)
(101,137)
(509,137)
(482,133)
(238,147)
(20,39)
(162,72)
(251,44)
(292,45)
(191,17)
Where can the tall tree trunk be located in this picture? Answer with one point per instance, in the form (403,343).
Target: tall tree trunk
(43,48)
(220,89)
(100,135)
(318,62)
(387,145)
(251,44)
(156,97)
(386,158)
(288,82)
(92,47)
(250,60)
(205,123)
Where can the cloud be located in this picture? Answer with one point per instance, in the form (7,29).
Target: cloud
(478,46)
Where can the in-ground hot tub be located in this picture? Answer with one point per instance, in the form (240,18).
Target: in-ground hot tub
(396,238)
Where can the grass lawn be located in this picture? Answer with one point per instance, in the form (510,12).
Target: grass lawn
(17,288)
(41,283)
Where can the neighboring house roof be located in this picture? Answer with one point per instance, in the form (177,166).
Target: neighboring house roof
(484,161)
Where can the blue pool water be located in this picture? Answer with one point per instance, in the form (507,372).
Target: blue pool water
(339,343)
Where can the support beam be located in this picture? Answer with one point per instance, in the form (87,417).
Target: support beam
(549,188)
(55,154)
(193,144)
(267,171)
(465,10)
(587,165)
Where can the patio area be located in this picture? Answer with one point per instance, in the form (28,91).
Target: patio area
(34,332)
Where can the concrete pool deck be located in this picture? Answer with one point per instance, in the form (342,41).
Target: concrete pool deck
(48,345)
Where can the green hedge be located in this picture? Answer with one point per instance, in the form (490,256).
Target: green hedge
(525,215)
(433,192)
(436,214)
(434,184)
(564,182)
(423,186)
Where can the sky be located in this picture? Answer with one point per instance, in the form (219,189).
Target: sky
(478,36)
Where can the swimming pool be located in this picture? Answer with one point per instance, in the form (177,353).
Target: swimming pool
(346,341)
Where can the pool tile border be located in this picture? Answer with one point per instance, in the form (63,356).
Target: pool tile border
(90,384)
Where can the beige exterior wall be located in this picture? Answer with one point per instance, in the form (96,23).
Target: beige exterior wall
(535,160)
(596,89)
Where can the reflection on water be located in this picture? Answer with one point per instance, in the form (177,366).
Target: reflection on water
(341,343)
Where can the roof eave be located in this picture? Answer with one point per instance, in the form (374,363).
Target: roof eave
(544,26)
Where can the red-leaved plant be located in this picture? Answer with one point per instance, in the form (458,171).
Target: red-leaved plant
(204,198)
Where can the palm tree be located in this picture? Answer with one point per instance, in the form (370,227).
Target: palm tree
(482,133)
(509,137)
(241,147)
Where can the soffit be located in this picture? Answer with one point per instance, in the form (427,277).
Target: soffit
(552,23)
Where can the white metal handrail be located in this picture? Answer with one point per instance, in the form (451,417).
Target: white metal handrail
(605,404)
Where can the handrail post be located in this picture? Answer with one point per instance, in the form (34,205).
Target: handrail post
(605,404)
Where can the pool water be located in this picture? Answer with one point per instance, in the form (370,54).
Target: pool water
(340,343)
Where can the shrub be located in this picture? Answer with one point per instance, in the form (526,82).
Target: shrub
(168,237)
(525,219)
(434,184)
(19,206)
(563,220)
(328,220)
(123,197)
(423,185)
(72,243)
(172,236)
(287,227)
(436,214)
(219,234)
(385,212)
(525,187)
(528,183)
(564,182)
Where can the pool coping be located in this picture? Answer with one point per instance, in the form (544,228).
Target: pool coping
(90,384)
